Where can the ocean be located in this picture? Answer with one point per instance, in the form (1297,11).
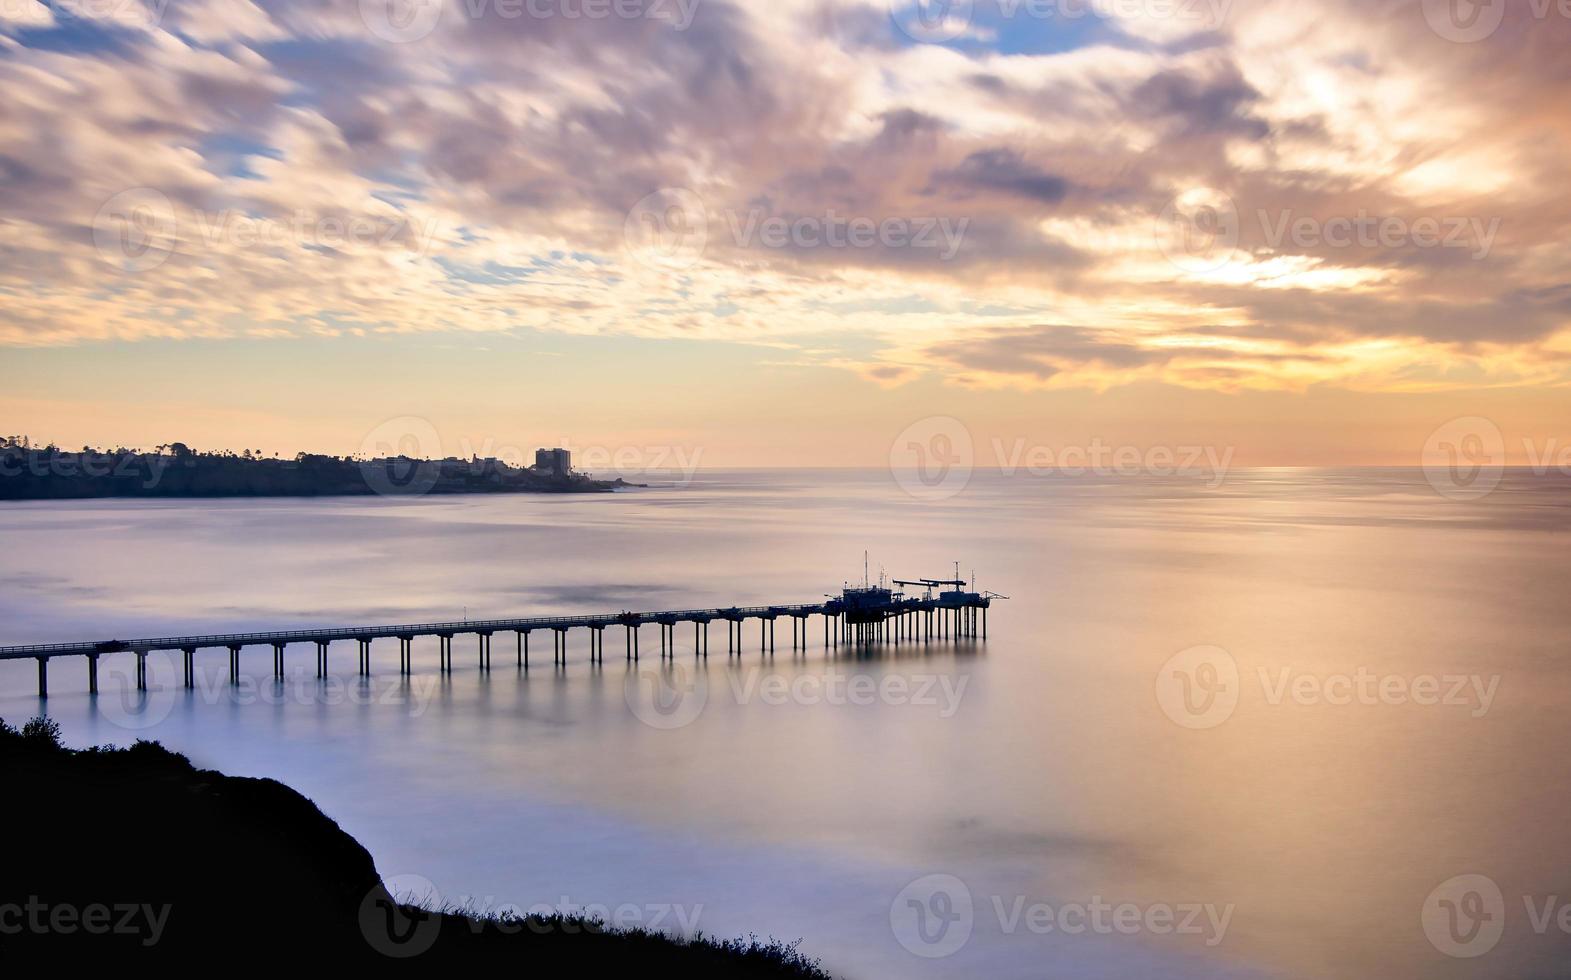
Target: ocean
(1292,723)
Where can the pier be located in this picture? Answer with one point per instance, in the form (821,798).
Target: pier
(865,615)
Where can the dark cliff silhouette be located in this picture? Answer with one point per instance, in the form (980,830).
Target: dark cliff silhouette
(131,856)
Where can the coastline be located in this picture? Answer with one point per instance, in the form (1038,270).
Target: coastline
(600,487)
(176,471)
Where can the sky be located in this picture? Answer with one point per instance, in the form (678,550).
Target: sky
(786,233)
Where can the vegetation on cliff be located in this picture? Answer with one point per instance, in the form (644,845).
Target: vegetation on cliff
(29,472)
(133,854)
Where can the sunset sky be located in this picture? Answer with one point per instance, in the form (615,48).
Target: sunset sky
(780,233)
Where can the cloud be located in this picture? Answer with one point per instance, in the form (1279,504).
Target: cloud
(321,178)
(1002,170)
(1198,106)
(1043,352)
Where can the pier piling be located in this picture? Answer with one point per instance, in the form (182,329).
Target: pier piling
(866,617)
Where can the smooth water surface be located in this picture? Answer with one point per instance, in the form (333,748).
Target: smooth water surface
(1381,702)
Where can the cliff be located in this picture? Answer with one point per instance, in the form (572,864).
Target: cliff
(136,856)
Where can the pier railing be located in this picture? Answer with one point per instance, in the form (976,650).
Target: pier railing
(896,618)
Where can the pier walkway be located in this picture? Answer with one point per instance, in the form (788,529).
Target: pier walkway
(858,616)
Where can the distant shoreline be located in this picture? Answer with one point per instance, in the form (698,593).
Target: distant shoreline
(177,472)
(610,486)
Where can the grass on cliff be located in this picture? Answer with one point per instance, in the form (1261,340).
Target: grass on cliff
(234,859)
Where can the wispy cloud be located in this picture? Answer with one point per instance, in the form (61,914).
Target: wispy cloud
(1272,195)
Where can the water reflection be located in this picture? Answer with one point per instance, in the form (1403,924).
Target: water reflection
(1039,768)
